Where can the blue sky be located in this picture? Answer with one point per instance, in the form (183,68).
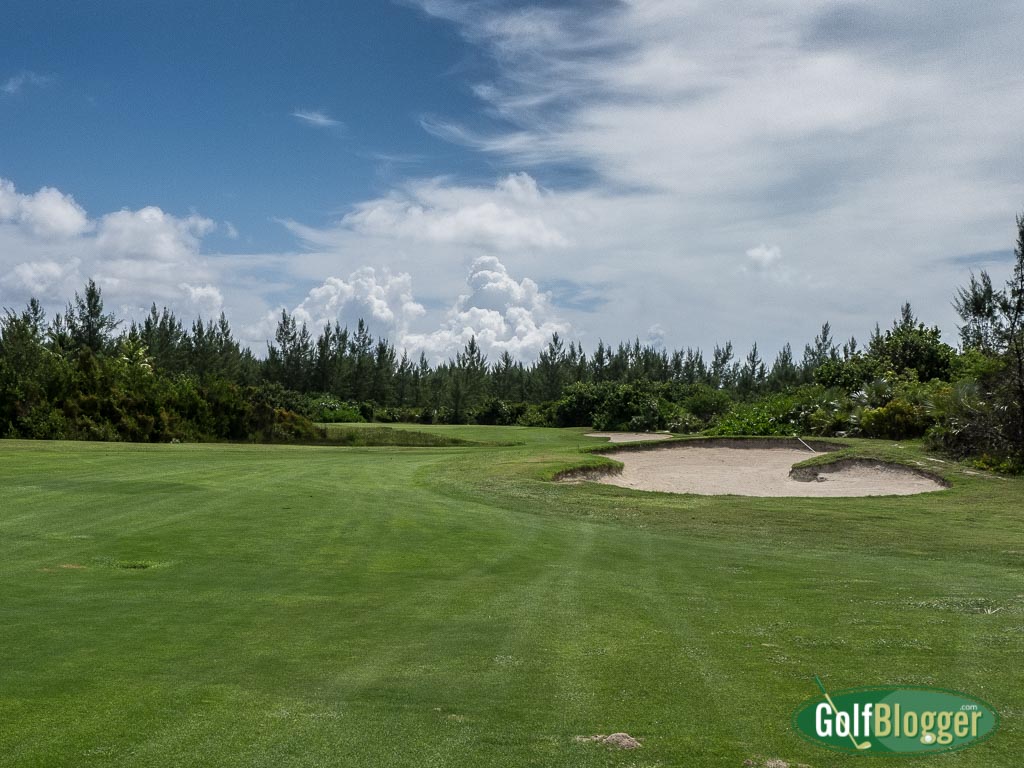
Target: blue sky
(189,105)
(687,173)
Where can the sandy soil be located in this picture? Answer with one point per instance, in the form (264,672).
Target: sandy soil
(755,472)
(629,437)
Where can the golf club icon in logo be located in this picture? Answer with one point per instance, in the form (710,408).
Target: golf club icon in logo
(861,745)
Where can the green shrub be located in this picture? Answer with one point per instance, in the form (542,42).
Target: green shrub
(328,409)
(497,412)
(898,420)
(631,407)
(578,403)
(704,402)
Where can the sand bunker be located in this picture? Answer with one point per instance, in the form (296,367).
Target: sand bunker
(629,437)
(713,471)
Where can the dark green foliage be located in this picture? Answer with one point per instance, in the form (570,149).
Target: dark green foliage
(977,303)
(802,411)
(630,407)
(384,436)
(88,326)
(910,346)
(897,420)
(985,412)
(328,409)
(578,403)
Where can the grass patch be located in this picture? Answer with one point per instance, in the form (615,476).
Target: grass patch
(451,607)
(365,437)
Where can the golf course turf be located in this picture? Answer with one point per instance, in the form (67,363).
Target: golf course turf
(252,605)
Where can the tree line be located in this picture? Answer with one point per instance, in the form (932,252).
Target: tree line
(86,374)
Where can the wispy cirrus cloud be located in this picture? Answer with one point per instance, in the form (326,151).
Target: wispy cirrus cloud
(15,84)
(315,118)
(859,139)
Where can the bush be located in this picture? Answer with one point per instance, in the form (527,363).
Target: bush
(395,415)
(330,410)
(290,427)
(631,407)
(807,410)
(899,420)
(502,413)
(578,403)
(704,402)
(537,416)
(684,422)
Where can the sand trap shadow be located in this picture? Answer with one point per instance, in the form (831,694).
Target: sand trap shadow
(712,470)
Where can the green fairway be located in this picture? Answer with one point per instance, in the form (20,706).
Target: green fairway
(246,605)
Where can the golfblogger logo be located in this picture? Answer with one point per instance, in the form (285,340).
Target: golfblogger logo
(906,721)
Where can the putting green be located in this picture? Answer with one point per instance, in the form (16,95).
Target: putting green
(227,605)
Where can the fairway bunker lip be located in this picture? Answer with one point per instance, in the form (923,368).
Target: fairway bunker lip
(631,437)
(755,468)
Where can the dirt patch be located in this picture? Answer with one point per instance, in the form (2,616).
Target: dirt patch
(74,566)
(617,740)
(761,471)
(772,762)
(630,437)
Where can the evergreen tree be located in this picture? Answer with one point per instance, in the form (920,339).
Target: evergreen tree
(88,326)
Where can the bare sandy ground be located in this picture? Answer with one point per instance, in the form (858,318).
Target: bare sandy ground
(629,437)
(755,472)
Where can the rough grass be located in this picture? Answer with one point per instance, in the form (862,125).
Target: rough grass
(450,607)
(370,436)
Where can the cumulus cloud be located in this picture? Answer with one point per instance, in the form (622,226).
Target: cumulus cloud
(502,313)
(384,300)
(206,300)
(44,278)
(48,213)
(49,246)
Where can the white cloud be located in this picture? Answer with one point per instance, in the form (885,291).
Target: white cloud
(48,213)
(41,278)
(16,83)
(315,118)
(506,217)
(206,300)
(764,256)
(864,139)
(860,136)
(151,234)
(502,313)
(385,301)
(49,247)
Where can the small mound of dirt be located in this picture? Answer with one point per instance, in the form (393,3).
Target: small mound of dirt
(617,740)
(772,762)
